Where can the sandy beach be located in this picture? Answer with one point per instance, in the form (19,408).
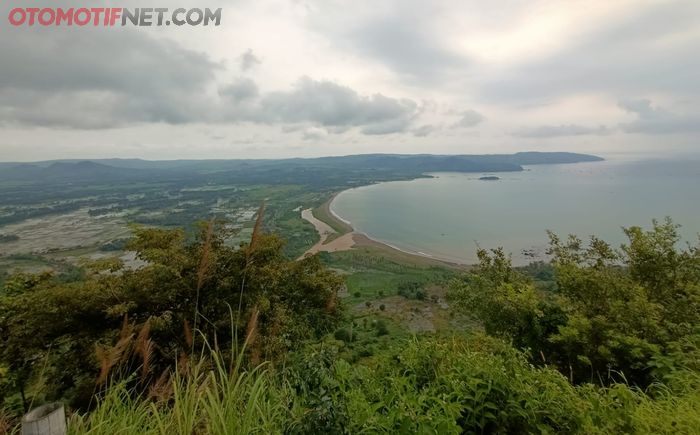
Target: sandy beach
(334,241)
(343,243)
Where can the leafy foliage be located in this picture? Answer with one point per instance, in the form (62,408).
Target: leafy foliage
(614,314)
(64,336)
(609,346)
(475,385)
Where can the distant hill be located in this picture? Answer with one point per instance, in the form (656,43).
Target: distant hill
(261,170)
(538,158)
(84,171)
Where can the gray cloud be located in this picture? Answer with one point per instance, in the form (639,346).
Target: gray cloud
(91,79)
(546,131)
(397,35)
(249,60)
(405,48)
(240,89)
(650,120)
(94,80)
(424,130)
(314,134)
(656,120)
(397,125)
(470,118)
(649,49)
(329,104)
(641,107)
(73,79)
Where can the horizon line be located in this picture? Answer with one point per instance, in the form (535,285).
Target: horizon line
(81,159)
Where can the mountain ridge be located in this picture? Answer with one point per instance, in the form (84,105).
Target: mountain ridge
(101,170)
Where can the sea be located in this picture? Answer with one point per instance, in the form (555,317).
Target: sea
(448,216)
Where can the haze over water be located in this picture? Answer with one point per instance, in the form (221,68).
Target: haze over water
(447,216)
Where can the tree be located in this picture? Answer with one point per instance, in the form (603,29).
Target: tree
(613,313)
(118,321)
(505,300)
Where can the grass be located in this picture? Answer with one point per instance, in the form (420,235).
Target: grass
(299,234)
(367,335)
(324,214)
(450,385)
(372,285)
(371,276)
(375,280)
(215,395)
(209,400)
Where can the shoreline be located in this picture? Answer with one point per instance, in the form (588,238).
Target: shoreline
(350,239)
(325,214)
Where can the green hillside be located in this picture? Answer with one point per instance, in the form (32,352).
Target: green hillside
(206,338)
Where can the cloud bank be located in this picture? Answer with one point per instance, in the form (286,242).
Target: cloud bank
(318,77)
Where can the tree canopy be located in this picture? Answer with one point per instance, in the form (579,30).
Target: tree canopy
(185,295)
(630,314)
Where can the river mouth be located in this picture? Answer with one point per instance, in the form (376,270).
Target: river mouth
(448,217)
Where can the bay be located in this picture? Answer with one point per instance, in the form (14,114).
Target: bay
(449,215)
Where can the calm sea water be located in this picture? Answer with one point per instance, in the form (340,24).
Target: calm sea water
(450,215)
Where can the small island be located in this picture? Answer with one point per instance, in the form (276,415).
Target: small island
(489,178)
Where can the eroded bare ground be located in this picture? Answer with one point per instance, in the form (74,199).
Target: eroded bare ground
(63,232)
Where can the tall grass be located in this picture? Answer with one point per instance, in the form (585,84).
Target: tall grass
(425,385)
(214,395)
(211,397)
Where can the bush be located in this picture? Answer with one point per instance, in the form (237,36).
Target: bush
(411,290)
(605,323)
(482,385)
(84,328)
(381,328)
(343,334)
(365,352)
(445,386)
(114,245)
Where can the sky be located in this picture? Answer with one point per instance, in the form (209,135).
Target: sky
(303,78)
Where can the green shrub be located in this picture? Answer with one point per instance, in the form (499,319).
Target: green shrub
(616,316)
(343,334)
(381,328)
(482,385)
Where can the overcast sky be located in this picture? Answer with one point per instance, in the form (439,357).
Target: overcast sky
(282,78)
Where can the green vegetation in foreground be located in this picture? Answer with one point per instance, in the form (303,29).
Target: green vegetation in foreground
(432,386)
(600,341)
(629,315)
